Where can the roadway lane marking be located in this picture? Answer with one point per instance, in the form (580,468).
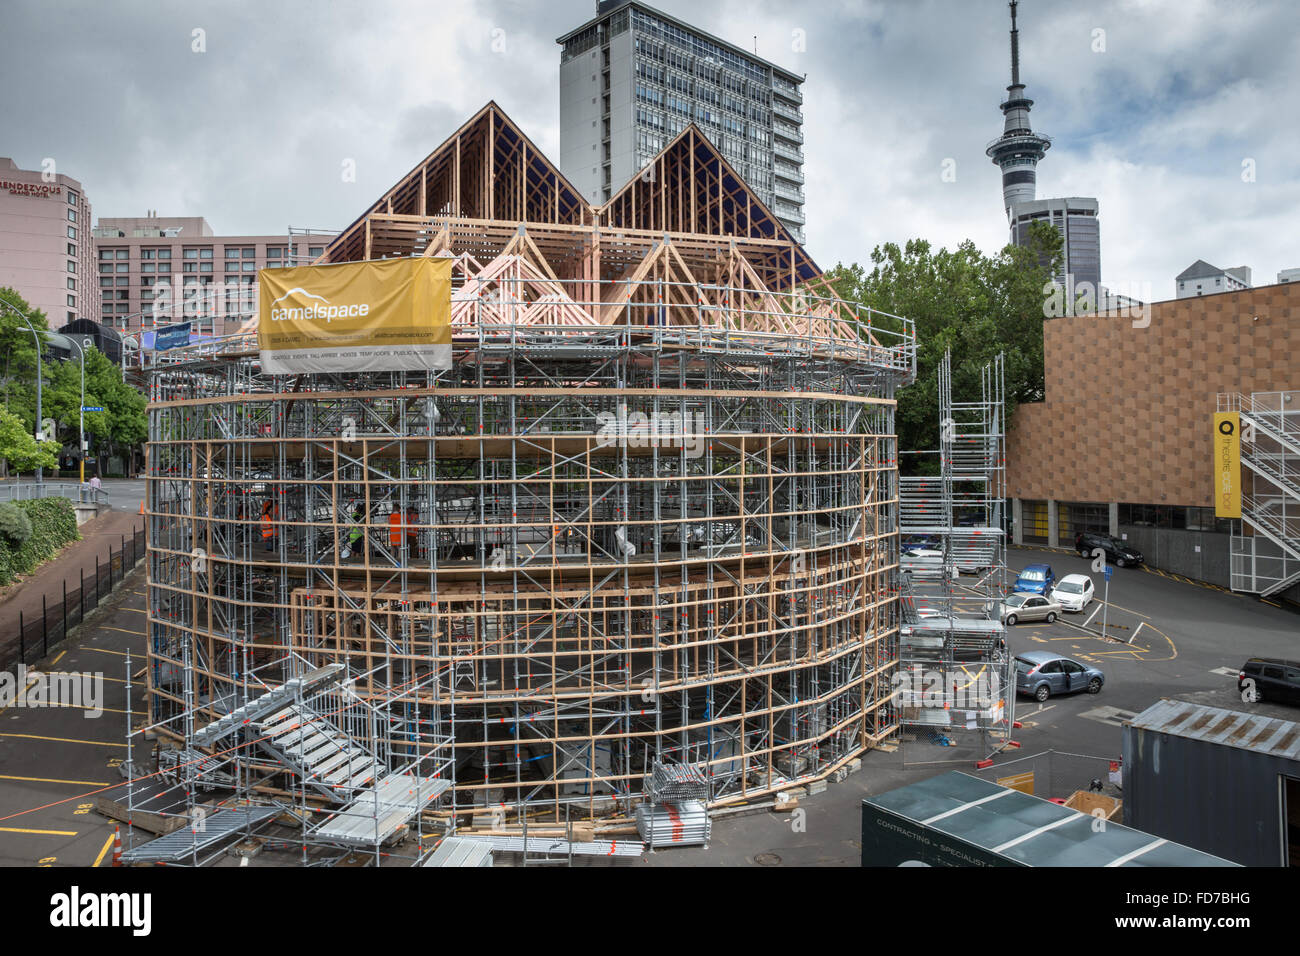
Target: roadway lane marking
(109,627)
(63,740)
(1108,715)
(72,783)
(1226,671)
(57,659)
(105,650)
(39,832)
(107,843)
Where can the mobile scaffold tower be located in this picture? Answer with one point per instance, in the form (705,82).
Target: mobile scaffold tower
(954,675)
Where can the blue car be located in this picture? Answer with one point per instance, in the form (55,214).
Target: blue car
(1040,674)
(1036,579)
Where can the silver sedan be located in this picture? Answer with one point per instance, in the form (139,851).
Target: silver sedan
(1029,607)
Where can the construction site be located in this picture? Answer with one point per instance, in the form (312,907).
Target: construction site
(633,558)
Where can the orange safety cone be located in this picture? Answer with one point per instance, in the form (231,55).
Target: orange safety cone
(142,507)
(117,846)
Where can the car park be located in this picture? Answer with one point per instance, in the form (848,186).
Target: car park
(1040,674)
(1029,607)
(1270,679)
(1074,592)
(1036,579)
(1117,552)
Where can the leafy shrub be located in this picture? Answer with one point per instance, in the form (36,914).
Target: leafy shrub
(53,523)
(14,523)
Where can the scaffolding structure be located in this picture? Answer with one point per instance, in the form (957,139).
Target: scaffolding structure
(1265,556)
(649,517)
(955,674)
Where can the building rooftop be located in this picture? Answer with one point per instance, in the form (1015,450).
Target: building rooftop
(1199,270)
(1229,728)
(609,9)
(1025,830)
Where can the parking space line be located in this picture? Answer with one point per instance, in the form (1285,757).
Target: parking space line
(71,783)
(107,843)
(64,740)
(38,832)
(104,650)
(109,627)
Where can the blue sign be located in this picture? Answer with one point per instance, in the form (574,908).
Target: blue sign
(92,408)
(172,337)
(1109,572)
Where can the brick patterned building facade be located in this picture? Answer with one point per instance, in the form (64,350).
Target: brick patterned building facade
(1122,442)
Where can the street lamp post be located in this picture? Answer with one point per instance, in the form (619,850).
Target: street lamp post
(82,424)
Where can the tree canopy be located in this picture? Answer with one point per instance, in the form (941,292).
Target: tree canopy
(121,426)
(964,301)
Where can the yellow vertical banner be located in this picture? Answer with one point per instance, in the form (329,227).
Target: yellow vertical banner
(1227,465)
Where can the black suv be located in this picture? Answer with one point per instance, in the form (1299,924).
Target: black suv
(1271,679)
(1085,542)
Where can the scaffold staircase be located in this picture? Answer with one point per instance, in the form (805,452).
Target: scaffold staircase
(1265,556)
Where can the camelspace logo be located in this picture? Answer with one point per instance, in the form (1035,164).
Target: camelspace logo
(76,910)
(325,311)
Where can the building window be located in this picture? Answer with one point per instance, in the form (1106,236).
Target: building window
(72,265)
(72,215)
(72,249)
(123,253)
(72,301)
(72,232)
(72,284)
(191,253)
(72,197)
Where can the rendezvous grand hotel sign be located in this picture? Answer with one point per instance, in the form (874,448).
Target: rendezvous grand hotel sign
(387,315)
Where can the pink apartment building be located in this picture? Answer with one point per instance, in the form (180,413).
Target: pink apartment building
(155,271)
(46,248)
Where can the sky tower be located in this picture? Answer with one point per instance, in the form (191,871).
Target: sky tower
(1017,151)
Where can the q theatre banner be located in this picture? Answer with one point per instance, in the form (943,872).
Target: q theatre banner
(380,316)
(1227,465)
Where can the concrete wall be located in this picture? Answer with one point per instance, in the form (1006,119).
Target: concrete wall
(1174,550)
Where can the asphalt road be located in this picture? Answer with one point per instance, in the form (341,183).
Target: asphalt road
(55,760)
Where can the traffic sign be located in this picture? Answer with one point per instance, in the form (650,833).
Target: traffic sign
(92,408)
(1109,572)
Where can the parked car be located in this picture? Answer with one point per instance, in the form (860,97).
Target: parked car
(1036,579)
(1117,551)
(1270,678)
(1029,607)
(1040,674)
(1074,592)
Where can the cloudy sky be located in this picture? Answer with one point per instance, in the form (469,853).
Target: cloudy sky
(1162,109)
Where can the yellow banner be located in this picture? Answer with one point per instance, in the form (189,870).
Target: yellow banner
(386,315)
(1227,465)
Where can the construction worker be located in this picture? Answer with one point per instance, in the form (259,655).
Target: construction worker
(396,529)
(270,514)
(355,533)
(412,532)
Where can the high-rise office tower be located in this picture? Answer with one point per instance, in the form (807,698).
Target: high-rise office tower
(632,78)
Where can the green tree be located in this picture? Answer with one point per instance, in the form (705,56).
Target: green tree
(18,358)
(964,301)
(120,427)
(19,447)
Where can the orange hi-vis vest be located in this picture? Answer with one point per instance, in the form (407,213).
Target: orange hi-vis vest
(396,532)
(267,522)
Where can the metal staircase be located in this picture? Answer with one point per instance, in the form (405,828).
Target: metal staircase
(1265,556)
